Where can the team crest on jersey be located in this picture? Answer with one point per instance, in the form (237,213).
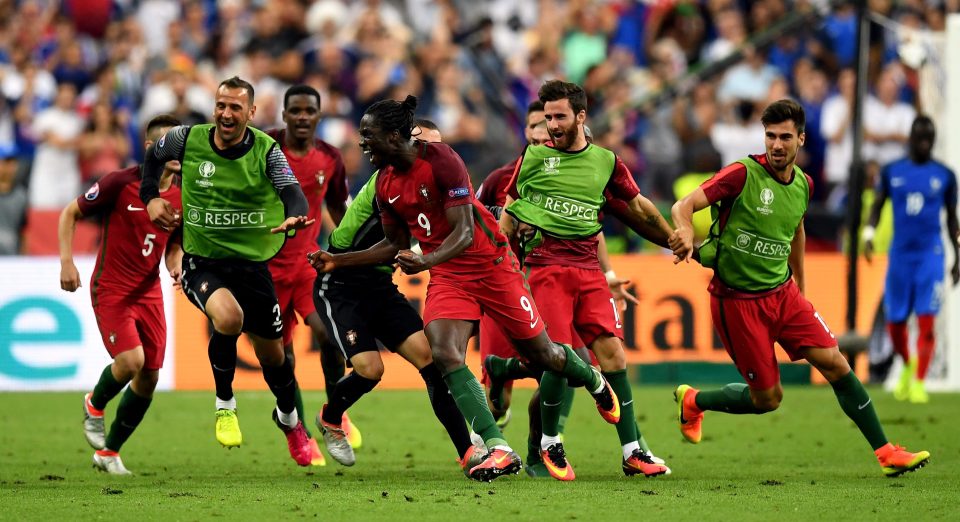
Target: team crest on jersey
(424,192)
(352,337)
(112,337)
(935,184)
(551,165)
(93,192)
(321,176)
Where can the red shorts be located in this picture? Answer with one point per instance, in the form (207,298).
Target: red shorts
(503,295)
(123,327)
(581,307)
(749,327)
(295,296)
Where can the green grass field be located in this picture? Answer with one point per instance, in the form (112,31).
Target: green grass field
(803,462)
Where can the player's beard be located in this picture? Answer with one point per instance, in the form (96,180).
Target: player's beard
(567,139)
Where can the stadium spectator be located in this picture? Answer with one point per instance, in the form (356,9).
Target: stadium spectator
(55,175)
(104,146)
(886,119)
(13,203)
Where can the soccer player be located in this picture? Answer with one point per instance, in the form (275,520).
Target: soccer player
(240,200)
(555,199)
(755,249)
(126,296)
(361,306)
(423,190)
(920,188)
(320,172)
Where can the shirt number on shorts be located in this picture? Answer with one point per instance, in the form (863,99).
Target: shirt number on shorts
(528,306)
(278,322)
(424,223)
(148,245)
(823,323)
(616,313)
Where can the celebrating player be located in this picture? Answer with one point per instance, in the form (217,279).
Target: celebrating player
(126,296)
(361,306)
(240,200)
(756,249)
(424,190)
(555,199)
(920,188)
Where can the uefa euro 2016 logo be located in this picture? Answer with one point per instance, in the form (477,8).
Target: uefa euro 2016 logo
(207,169)
(551,165)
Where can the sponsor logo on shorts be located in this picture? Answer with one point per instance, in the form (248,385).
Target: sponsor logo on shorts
(352,337)
(112,337)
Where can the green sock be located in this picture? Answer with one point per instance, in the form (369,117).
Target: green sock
(627,429)
(578,371)
(732,398)
(533,451)
(643,444)
(552,386)
(472,403)
(298,401)
(856,403)
(509,368)
(129,414)
(106,389)
(565,407)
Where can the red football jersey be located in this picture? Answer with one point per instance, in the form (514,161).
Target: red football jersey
(493,190)
(131,246)
(322,178)
(419,197)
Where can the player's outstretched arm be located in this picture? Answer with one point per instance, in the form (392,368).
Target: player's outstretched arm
(460,238)
(681,241)
(384,252)
(69,275)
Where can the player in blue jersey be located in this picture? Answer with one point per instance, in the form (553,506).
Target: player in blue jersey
(920,188)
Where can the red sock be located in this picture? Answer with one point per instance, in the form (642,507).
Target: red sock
(898,334)
(925,344)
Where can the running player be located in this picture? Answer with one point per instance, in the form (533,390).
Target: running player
(240,200)
(755,249)
(361,306)
(424,190)
(920,188)
(126,296)
(556,196)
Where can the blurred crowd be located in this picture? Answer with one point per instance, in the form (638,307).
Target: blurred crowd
(79,78)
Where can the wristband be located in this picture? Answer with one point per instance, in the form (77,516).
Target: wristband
(868,233)
(610,275)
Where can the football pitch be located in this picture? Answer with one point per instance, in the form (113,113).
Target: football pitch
(805,461)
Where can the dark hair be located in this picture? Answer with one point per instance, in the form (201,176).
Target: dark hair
(161,121)
(392,115)
(922,119)
(783,110)
(535,106)
(237,83)
(555,90)
(300,89)
(424,123)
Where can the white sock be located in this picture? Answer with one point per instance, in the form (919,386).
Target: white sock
(288,419)
(503,447)
(230,404)
(628,449)
(546,441)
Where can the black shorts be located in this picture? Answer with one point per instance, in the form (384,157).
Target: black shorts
(357,315)
(248,281)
